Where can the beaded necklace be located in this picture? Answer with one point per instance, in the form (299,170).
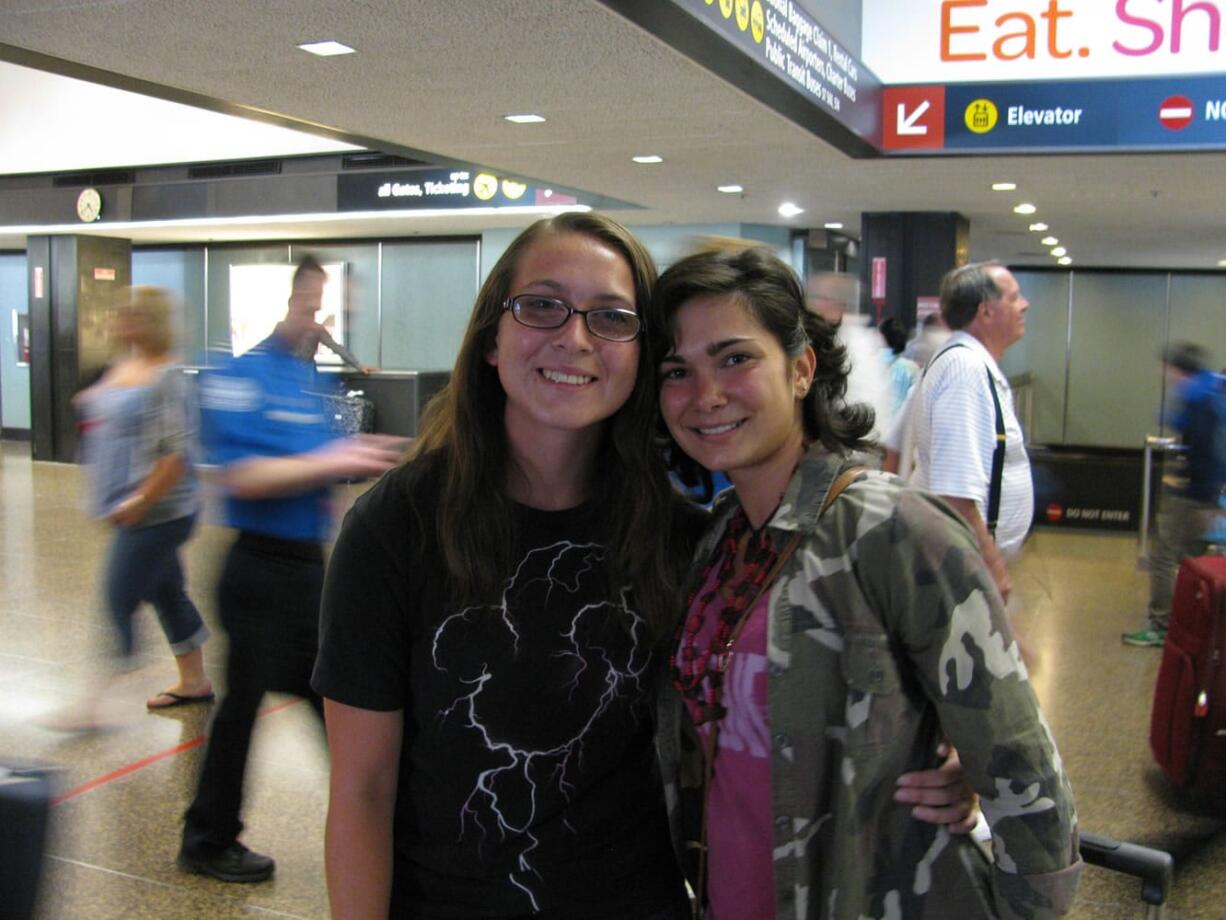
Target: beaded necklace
(693,669)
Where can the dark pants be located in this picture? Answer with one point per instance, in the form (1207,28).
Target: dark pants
(1182,523)
(268,600)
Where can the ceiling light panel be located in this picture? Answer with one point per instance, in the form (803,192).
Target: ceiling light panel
(328,48)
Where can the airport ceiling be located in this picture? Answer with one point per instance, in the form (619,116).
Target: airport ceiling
(436,77)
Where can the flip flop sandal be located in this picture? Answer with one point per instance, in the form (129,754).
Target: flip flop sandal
(177,699)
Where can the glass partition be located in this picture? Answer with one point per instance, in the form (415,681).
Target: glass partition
(428,291)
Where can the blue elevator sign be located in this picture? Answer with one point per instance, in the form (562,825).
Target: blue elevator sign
(1186,113)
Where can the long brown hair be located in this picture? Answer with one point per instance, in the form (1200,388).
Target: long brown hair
(463,442)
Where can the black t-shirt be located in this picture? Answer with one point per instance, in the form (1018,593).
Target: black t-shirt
(528,784)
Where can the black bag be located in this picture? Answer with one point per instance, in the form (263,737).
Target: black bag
(25,814)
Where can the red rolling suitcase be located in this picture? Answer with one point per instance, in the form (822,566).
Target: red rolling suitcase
(1188,728)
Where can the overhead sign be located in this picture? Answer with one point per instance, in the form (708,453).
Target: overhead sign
(437,188)
(913,117)
(954,41)
(800,69)
(1187,113)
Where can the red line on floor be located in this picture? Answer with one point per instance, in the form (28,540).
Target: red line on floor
(153,758)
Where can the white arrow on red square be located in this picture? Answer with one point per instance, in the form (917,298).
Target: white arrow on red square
(907,124)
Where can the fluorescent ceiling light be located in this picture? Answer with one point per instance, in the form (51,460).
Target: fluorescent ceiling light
(648,158)
(1025,208)
(528,118)
(731,189)
(787,209)
(1038,228)
(1004,186)
(1065,260)
(327,48)
(1049,241)
(833,225)
(1059,251)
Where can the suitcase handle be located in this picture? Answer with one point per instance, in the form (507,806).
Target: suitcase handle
(1155,868)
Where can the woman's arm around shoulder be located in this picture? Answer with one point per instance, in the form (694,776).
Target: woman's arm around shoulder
(365,750)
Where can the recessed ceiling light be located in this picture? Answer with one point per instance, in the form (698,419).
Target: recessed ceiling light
(787,209)
(1025,208)
(1038,228)
(648,158)
(1059,251)
(1221,263)
(1004,186)
(326,48)
(1065,260)
(1049,241)
(731,189)
(528,118)
(833,225)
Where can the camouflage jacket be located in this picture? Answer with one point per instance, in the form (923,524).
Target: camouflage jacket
(885,633)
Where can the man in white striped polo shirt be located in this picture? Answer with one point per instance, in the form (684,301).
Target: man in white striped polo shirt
(968,440)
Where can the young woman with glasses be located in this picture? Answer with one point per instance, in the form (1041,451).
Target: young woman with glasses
(838,624)
(490,613)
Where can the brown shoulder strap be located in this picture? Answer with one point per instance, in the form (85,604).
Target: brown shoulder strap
(839,485)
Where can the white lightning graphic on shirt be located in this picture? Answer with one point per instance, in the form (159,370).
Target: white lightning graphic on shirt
(540,765)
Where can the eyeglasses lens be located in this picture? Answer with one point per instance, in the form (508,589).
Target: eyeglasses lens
(547,313)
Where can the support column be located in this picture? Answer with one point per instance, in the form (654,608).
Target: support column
(73,282)
(918,247)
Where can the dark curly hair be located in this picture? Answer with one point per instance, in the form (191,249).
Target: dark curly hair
(774,297)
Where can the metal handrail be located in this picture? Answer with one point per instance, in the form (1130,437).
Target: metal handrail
(1152,444)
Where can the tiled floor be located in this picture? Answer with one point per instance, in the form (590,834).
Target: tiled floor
(116,831)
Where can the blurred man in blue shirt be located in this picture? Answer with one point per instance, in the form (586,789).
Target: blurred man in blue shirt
(263,427)
(1190,498)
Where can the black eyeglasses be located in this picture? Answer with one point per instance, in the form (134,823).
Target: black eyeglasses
(539,312)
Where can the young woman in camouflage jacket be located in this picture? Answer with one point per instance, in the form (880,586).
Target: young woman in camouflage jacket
(828,647)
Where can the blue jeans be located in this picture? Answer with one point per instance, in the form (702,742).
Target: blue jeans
(142,564)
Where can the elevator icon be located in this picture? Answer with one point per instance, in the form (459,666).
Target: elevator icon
(981,116)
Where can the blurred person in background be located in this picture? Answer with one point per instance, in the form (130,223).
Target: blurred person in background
(928,339)
(1188,508)
(901,371)
(140,481)
(836,297)
(263,427)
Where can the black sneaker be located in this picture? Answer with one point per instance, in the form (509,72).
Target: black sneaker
(235,863)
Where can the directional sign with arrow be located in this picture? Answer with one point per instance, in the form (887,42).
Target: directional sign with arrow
(913,117)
